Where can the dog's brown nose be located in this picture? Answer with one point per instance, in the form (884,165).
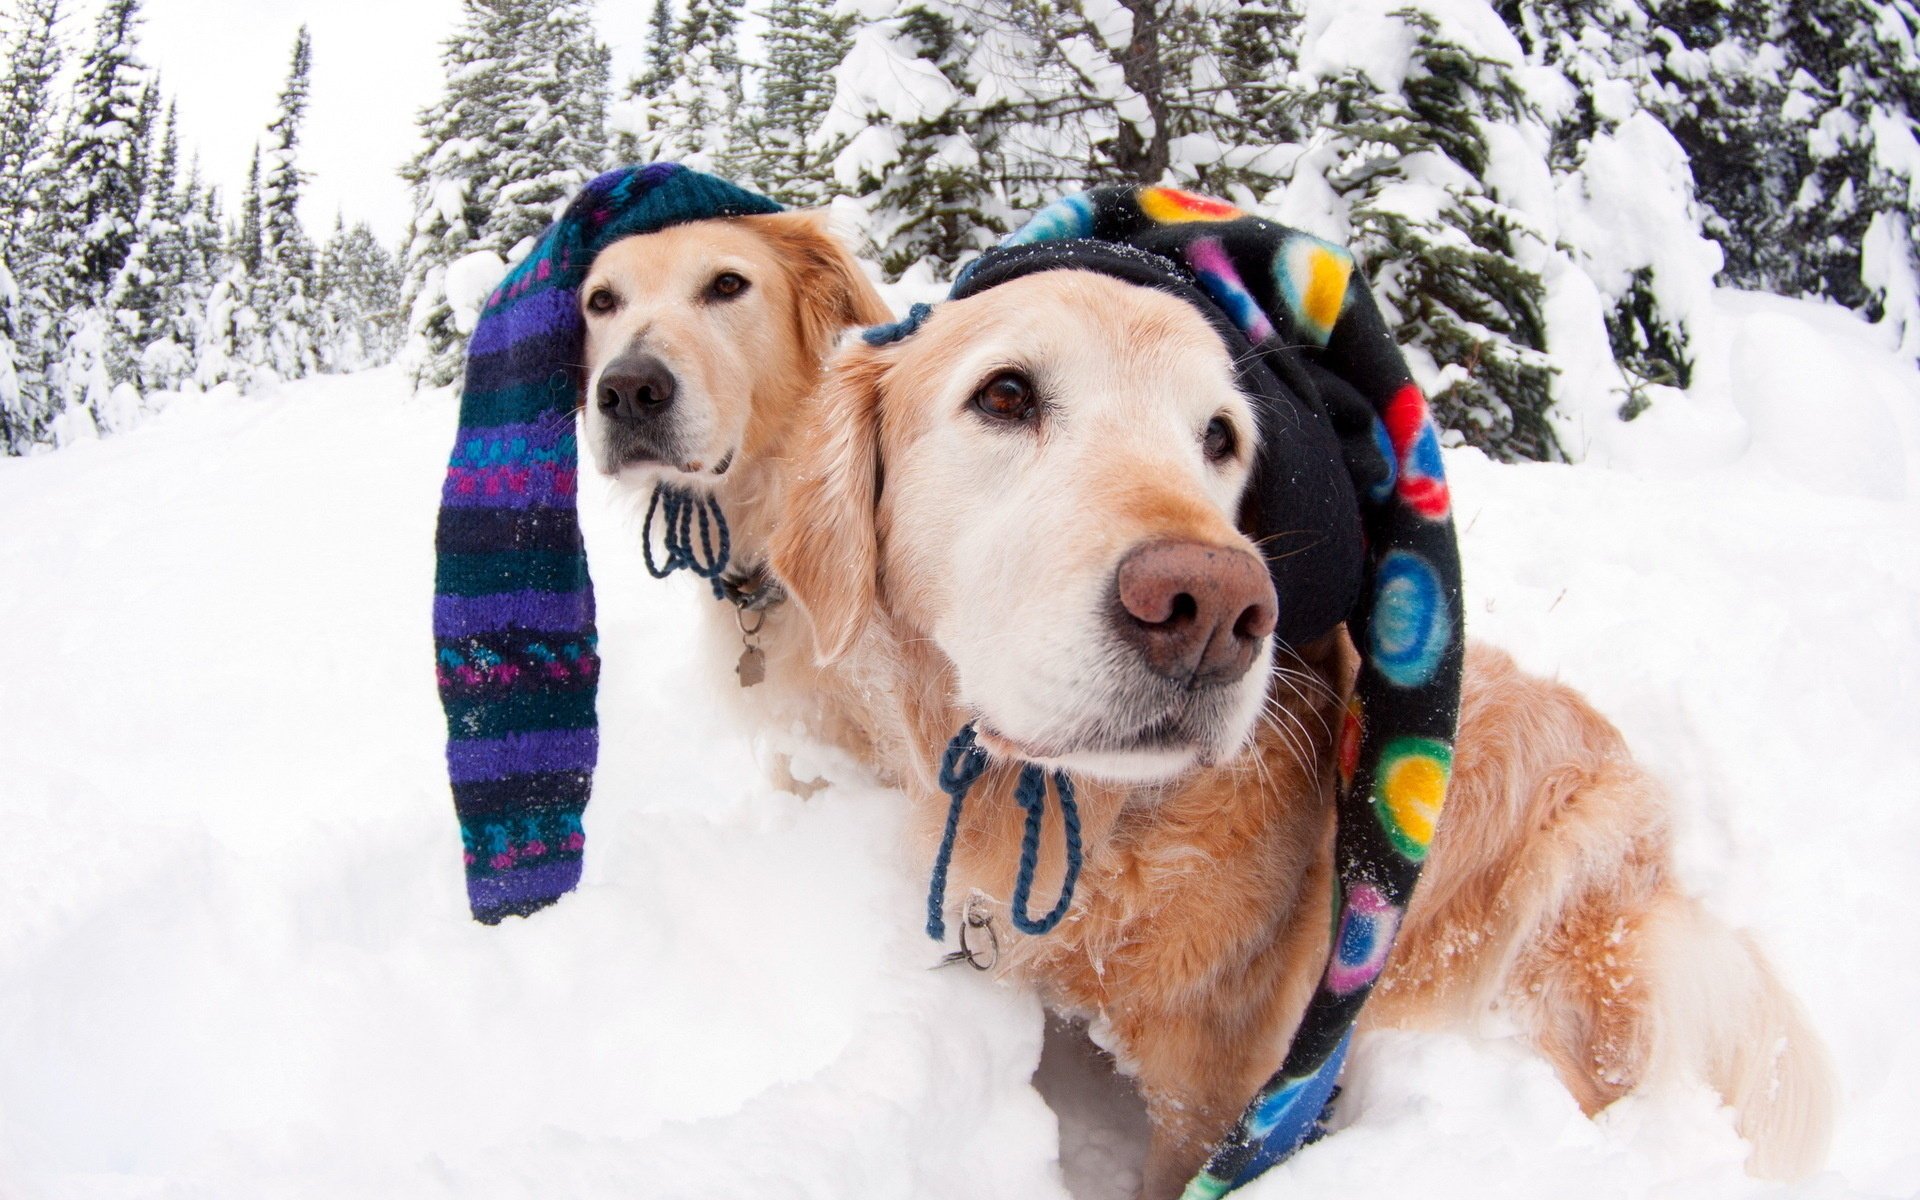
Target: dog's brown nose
(1195,612)
(635,387)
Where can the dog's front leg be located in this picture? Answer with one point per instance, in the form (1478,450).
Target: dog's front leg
(1195,1073)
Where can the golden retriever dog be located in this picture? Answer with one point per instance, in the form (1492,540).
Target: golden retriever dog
(960,532)
(703,341)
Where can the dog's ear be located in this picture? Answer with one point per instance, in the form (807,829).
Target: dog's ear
(825,548)
(831,293)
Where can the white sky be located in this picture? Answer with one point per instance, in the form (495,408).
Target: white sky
(375,65)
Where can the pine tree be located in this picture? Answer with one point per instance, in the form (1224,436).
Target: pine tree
(1603,50)
(360,283)
(549,126)
(661,48)
(694,118)
(1457,268)
(1719,84)
(918,141)
(520,127)
(230,336)
(286,255)
(1854,89)
(161,297)
(31,229)
(248,240)
(102,166)
(34,58)
(804,41)
(22,417)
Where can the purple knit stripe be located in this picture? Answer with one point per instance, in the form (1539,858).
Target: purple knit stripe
(519,886)
(541,314)
(533,485)
(523,754)
(465,616)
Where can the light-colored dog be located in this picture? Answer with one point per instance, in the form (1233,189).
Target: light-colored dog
(966,534)
(703,342)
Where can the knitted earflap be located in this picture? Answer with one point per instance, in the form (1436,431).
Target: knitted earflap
(1350,503)
(513,603)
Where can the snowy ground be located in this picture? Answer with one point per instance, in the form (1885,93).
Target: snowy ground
(238,961)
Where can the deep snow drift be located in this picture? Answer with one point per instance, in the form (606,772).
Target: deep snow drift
(237,960)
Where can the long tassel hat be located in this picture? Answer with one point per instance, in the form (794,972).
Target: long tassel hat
(1349,502)
(513,604)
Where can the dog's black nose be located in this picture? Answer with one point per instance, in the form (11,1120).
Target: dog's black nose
(1195,612)
(635,387)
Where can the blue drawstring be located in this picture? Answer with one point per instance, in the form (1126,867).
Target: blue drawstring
(963,764)
(681,508)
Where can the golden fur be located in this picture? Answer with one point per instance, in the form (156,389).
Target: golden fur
(1201,922)
(745,368)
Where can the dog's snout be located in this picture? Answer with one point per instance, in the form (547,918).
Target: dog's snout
(636,387)
(1195,612)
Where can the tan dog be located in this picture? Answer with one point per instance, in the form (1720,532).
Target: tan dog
(961,534)
(703,341)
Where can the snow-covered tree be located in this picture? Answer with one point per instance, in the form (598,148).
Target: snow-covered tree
(661,48)
(22,415)
(1854,89)
(287,281)
(1456,264)
(102,171)
(694,113)
(360,287)
(804,41)
(521,125)
(33,60)
(229,334)
(1646,255)
(919,129)
(31,229)
(1720,86)
(164,293)
(549,119)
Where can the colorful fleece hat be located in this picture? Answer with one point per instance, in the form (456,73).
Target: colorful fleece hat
(1350,503)
(513,604)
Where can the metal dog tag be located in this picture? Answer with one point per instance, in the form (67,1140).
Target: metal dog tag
(753,666)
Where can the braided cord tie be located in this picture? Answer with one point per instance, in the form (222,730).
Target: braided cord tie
(1032,794)
(960,767)
(679,509)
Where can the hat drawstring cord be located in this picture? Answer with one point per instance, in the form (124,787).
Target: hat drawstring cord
(963,764)
(680,508)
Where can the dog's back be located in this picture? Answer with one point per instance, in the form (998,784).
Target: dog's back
(1549,893)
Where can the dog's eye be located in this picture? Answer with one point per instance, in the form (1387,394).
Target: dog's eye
(1219,442)
(726,285)
(1008,396)
(602,300)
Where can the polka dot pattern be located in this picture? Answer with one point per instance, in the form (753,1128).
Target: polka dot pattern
(1416,454)
(1411,627)
(1171,206)
(1410,789)
(1361,940)
(1217,276)
(1068,218)
(1312,276)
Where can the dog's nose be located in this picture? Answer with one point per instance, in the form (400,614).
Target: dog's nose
(1195,612)
(635,387)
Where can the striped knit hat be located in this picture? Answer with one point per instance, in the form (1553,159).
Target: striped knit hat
(513,604)
(1344,432)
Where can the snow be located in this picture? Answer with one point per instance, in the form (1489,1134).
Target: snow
(471,279)
(238,960)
